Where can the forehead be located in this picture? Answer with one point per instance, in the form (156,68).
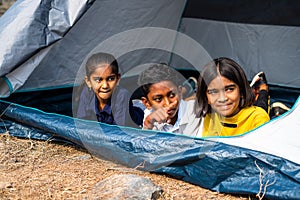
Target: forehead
(162,88)
(220,82)
(103,70)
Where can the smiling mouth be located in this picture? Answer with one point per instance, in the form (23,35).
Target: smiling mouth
(170,112)
(104,91)
(224,107)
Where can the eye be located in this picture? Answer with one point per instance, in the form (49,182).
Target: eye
(172,94)
(212,91)
(111,78)
(97,79)
(157,99)
(230,89)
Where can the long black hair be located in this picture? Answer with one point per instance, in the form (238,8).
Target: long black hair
(229,69)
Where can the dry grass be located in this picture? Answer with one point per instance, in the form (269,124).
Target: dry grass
(31,169)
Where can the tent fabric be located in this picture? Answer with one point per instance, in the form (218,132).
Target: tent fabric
(211,164)
(40,24)
(44,45)
(61,40)
(280,12)
(70,48)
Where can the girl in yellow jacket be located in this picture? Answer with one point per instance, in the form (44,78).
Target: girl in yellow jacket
(225,100)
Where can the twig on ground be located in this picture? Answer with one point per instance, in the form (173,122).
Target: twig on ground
(262,187)
(141,165)
(124,169)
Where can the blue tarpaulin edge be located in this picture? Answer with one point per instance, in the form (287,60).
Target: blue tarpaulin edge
(212,165)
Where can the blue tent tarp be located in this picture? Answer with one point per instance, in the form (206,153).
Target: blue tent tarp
(211,164)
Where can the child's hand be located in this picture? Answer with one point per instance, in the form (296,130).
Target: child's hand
(160,115)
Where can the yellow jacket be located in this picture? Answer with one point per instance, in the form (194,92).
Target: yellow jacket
(245,120)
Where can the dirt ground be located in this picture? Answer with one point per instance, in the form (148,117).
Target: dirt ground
(31,169)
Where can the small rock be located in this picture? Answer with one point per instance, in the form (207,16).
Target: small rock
(84,157)
(4,185)
(125,186)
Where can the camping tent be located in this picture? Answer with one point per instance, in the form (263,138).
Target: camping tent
(44,45)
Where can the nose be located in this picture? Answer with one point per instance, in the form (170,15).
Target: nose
(104,84)
(222,97)
(167,102)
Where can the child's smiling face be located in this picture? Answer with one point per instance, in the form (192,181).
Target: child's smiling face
(103,81)
(224,96)
(166,95)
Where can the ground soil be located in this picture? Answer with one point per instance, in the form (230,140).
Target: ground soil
(31,169)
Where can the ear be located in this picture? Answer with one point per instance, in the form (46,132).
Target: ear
(146,102)
(87,81)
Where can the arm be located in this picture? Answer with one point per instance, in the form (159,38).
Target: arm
(263,100)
